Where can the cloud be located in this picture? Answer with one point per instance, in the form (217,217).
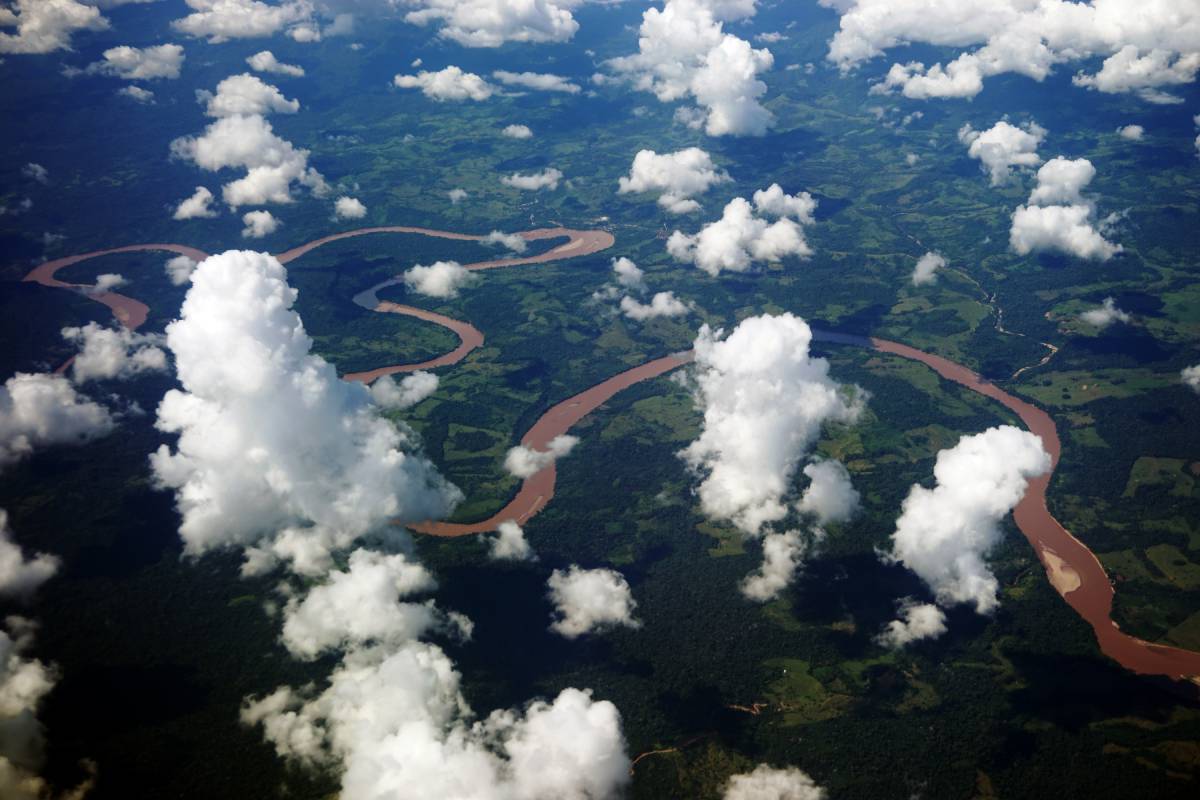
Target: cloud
(450,83)
(589,601)
(36,172)
(1147,45)
(742,236)
(41,410)
(359,606)
(1002,147)
(944,533)
(137,93)
(510,241)
(24,682)
(830,496)
(1191,377)
(275,455)
(1127,70)
(510,544)
(247,94)
(401,720)
(663,304)
(44,26)
(1105,315)
(764,400)
(683,51)
(441,279)
(221,20)
(1058,217)
(272,164)
(917,621)
(280,458)
(679,176)
(782,555)
(491,23)
(1133,133)
(141,64)
(349,208)
(265,61)
(457,195)
(412,389)
(525,462)
(925,272)
(629,274)
(106,282)
(179,269)
(258,224)
(541,81)
(769,783)
(198,206)
(20,576)
(546,179)
(517,131)
(108,353)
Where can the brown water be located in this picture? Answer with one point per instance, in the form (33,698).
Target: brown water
(1072,568)
(129,312)
(537,490)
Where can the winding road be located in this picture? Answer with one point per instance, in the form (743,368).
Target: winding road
(1072,568)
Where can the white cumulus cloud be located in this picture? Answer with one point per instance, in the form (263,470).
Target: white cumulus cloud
(1106,314)
(1058,217)
(590,600)
(198,206)
(1146,44)
(541,81)
(179,269)
(1003,146)
(925,272)
(141,64)
(916,621)
(782,555)
(743,235)
(450,83)
(108,353)
(517,132)
(43,26)
(765,782)
(349,208)
(765,400)
(491,23)
(258,224)
(510,544)
(684,51)
(525,462)
(41,410)
(678,177)
(412,389)
(265,61)
(249,142)
(221,20)
(944,533)
(247,94)
(830,495)
(441,279)
(546,179)
(662,304)
(276,455)
(20,576)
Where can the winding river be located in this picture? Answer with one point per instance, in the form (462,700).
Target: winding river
(1072,568)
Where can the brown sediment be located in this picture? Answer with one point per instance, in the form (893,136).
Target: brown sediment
(580,243)
(537,490)
(1089,591)
(129,312)
(469,338)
